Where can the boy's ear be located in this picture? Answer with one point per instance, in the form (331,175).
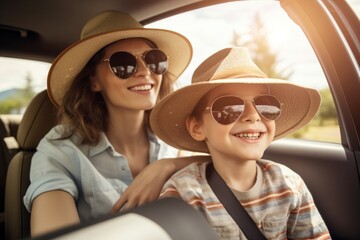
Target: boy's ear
(194,128)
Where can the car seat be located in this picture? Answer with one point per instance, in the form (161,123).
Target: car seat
(38,119)
(4,159)
(8,148)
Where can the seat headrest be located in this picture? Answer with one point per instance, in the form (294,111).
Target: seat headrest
(40,116)
(4,131)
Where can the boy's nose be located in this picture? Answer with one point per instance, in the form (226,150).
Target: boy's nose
(250,113)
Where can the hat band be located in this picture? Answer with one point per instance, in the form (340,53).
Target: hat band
(242,72)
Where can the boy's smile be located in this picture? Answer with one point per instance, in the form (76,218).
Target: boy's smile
(244,139)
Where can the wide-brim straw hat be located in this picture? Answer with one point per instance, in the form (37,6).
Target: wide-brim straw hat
(104,29)
(230,66)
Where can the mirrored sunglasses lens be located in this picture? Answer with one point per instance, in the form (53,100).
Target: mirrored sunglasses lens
(156,61)
(268,106)
(123,64)
(228,109)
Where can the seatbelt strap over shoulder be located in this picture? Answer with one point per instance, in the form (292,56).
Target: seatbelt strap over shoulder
(232,204)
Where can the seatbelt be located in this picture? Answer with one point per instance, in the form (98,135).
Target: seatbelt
(232,204)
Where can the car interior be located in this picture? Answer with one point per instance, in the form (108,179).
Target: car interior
(39,30)
(39,118)
(163,219)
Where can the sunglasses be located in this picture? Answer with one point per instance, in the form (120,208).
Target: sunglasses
(227,109)
(124,64)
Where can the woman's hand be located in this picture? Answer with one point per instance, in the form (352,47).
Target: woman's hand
(148,184)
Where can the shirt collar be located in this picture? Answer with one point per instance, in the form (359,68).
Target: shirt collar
(104,144)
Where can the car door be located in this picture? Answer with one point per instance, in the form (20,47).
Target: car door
(331,170)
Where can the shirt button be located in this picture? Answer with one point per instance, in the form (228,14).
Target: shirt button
(123,168)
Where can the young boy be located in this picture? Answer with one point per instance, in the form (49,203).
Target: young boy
(233,111)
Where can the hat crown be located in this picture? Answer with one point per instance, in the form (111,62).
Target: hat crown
(229,63)
(108,21)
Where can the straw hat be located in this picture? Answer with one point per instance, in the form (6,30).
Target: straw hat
(230,66)
(106,28)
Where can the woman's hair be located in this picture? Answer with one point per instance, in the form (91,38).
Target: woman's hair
(85,111)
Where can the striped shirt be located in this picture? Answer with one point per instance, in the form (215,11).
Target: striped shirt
(279,202)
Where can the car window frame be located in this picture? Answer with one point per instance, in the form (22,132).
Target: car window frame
(335,57)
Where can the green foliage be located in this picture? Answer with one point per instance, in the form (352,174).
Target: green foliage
(10,106)
(325,123)
(324,126)
(19,99)
(28,90)
(256,41)
(327,111)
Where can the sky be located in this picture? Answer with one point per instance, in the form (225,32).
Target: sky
(15,71)
(211,30)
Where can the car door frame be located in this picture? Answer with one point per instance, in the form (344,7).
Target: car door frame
(331,171)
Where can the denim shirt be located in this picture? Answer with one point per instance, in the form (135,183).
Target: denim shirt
(95,176)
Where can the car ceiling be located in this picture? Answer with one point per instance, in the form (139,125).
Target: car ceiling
(41,29)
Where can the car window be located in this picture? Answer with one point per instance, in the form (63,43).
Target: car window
(278,46)
(355,5)
(20,81)
(260,25)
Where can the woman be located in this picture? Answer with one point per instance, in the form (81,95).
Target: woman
(105,85)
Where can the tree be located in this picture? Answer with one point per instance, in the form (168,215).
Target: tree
(256,41)
(28,91)
(19,99)
(327,110)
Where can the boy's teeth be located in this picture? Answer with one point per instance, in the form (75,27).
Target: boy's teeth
(248,135)
(141,88)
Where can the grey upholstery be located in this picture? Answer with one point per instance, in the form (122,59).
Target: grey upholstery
(38,119)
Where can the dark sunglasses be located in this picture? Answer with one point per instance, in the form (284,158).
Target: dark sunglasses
(227,109)
(123,64)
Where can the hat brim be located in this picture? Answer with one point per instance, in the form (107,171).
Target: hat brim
(168,118)
(73,59)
